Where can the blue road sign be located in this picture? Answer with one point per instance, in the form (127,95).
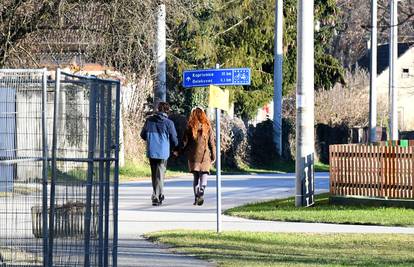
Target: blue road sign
(201,78)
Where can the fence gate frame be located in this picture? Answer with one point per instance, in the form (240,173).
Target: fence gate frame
(100,211)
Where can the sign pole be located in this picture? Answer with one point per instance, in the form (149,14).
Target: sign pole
(218,167)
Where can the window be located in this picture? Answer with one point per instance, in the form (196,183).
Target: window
(405,73)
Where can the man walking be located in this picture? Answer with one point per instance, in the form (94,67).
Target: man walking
(160,134)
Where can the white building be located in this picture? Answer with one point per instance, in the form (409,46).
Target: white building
(405,81)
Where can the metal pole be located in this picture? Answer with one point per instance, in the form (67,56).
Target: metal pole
(54,171)
(116,176)
(91,152)
(161,85)
(393,69)
(278,77)
(373,76)
(108,171)
(101,172)
(305,104)
(45,169)
(218,166)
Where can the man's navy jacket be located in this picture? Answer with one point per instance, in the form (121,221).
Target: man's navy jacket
(160,134)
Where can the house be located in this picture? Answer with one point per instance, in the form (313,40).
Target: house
(263,113)
(405,80)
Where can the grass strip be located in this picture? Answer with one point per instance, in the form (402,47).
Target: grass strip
(277,249)
(323,212)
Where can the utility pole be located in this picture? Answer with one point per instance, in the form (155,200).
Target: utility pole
(373,76)
(278,76)
(160,93)
(305,136)
(393,90)
(218,166)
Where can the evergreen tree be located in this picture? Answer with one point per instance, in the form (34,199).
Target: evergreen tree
(240,33)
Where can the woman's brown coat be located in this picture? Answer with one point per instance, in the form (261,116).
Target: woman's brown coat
(201,152)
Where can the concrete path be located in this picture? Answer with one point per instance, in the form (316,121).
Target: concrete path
(137,216)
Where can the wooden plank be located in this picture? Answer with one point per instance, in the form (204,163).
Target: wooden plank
(342,170)
(402,172)
(346,171)
(360,174)
(364,171)
(351,171)
(393,183)
(357,164)
(368,169)
(410,176)
(383,170)
(406,173)
(398,172)
(332,174)
(373,170)
(354,182)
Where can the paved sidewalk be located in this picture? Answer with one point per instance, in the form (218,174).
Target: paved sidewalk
(137,216)
(140,252)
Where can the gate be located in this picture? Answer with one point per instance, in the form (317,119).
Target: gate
(59,154)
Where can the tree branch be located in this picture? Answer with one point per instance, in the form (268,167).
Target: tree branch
(232,27)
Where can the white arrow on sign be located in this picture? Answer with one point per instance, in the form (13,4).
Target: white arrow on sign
(188,79)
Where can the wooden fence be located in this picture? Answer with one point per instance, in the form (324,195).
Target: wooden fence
(372,171)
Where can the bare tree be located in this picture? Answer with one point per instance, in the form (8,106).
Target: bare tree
(348,104)
(353,36)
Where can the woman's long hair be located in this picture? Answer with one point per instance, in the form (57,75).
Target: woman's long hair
(197,118)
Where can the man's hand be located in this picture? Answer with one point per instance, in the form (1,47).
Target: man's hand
(175,153)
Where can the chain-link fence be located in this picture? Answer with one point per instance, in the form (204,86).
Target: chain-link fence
(59,153)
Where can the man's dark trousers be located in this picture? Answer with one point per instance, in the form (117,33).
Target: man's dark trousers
(158,168)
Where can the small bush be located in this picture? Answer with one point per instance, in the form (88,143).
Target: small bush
(263,148)
(234,142)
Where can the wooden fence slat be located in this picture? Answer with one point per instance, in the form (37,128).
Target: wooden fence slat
(332,158)
(364,157)
(412,174)
(357,177)
(351,186)
(346,171)
(369,176)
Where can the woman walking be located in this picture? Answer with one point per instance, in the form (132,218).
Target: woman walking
(200,148)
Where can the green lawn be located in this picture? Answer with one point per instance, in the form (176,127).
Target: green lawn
(285,210)
(274,249)
(20,190)
(282,167)
(139,171)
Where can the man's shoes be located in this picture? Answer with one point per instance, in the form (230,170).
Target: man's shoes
(156,203)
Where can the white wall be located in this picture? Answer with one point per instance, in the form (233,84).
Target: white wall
(405,85)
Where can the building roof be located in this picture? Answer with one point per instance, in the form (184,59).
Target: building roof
(383,56)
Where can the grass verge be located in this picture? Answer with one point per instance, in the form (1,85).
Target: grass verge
(20,190)
(140,171)
(274,249)
(323,212)
(282,167)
